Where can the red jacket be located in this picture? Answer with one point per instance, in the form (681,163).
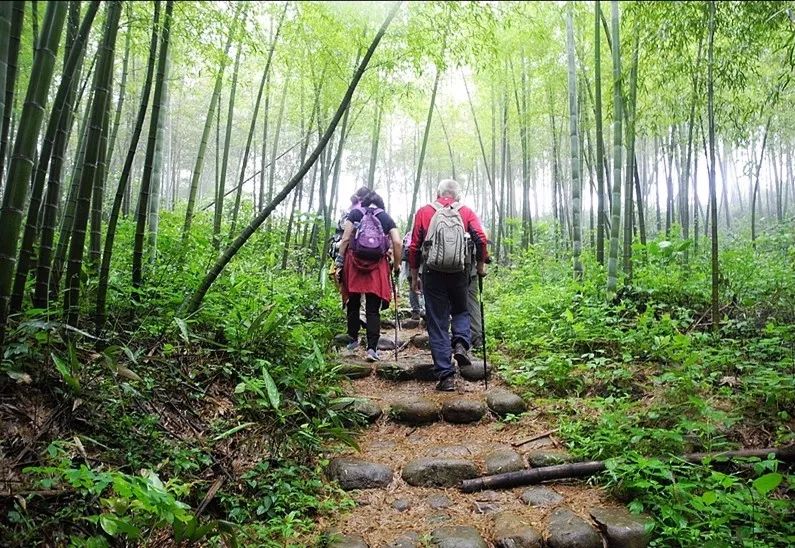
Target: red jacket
(422,221)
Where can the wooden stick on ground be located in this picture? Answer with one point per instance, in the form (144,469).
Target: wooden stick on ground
(585,469)
(534,438)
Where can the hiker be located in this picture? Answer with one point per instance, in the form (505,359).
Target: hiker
(440,233)
(369,235)
(416,300)
(334,243)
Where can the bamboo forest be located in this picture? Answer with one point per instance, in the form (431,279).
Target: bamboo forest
(457,274)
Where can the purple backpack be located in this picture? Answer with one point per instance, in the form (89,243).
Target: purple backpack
(370,242)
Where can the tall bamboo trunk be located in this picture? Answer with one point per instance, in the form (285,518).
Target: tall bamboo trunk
(60,114)
(755,190)
(103,81)
(600,152)
(221,184)
(489,171)
(618,154)
(669,195)
(214,98)
(630,171)
(6,14)
(277,130)
(122,89)
(24,151)
(421,159)
(158,170)
(379,111)
(574,148)
(527,217)
(98,191)
(123,186)
(9,76)
(712,192)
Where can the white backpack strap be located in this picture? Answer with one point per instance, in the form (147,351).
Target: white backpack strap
(456,205)
(436,205)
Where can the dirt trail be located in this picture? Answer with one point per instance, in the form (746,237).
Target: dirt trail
(396,513)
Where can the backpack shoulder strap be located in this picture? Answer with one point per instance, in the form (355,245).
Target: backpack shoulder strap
(456,206)
(436,205)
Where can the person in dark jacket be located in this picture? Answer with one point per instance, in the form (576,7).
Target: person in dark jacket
(446,292)
(368,277)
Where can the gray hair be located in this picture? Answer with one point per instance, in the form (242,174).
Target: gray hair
(450,188)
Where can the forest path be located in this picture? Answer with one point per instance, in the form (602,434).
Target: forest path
(421,443)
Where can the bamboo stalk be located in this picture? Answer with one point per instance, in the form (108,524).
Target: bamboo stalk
(590,468)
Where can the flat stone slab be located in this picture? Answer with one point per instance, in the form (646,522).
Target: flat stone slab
(504,402)
(539,495)
(415,411)
(457,536)
(367,408)
(438,472)
(438,500)
(548,457)
(474,371)
(410,324)
(401,505)
(510,532)
(352,473)
(421,340)
(354,370)
(406,540)
(622,529)
(391,370)
(463,411)
(388,343)
(568,530)
(337,540)
(503,460)
(424,370)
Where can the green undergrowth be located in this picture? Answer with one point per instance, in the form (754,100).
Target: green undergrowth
(639,379)
(207,428)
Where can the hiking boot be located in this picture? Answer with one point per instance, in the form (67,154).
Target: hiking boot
(447,384)
(353,346)
(372,355)
(462,355)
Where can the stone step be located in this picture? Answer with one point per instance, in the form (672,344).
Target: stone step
(353,473)
(615,527)
(438,471)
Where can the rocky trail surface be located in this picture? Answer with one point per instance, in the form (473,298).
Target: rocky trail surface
(420,444)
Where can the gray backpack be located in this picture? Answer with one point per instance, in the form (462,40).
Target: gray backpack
(445,247)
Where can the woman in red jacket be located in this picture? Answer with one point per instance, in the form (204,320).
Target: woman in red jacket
(368,276)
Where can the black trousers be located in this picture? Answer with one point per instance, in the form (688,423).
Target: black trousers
(372,310)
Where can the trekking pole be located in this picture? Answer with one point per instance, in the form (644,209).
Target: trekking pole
(483,332)
(394,293)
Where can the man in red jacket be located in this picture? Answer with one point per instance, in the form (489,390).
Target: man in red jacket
(445,290)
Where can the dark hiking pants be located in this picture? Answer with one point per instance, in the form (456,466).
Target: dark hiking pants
(372,312)
(446,311)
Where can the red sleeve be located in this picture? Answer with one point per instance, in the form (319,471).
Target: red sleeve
(476,232)
(420,228)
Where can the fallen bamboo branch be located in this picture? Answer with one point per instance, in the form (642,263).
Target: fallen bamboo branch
(535,438)
(590,468)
